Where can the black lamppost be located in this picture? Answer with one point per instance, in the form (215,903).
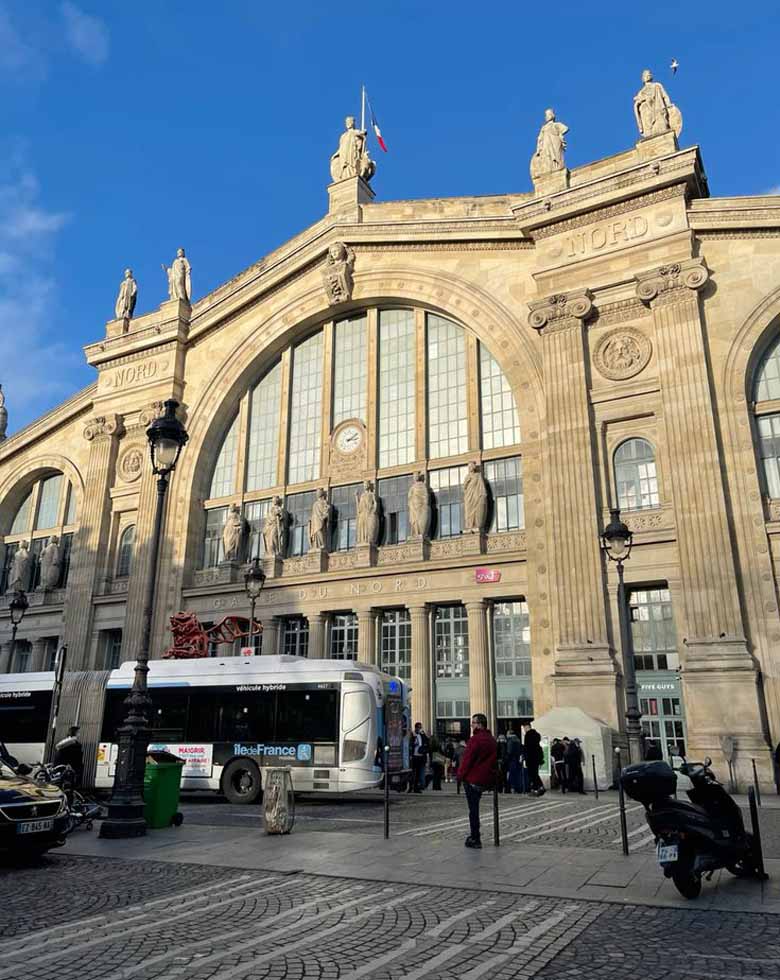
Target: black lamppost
(167,437)
(617,540)
(18,607)
(254,579)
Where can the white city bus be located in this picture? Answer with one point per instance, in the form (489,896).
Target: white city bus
(228,718)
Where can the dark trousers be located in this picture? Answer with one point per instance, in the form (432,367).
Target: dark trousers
(418,773)
(473,796)
(533,776)
(437,769)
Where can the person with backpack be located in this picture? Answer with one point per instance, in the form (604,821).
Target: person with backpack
(477,772)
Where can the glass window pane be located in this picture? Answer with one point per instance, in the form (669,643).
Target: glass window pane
(49,502)
(223,483)
(397,393)
(344,517)
(500,424)
(295,636)
(21,522)
(213,551)
(350,370)
(255,518)
(124,561)
(447,403)
(393,499)
(652,628)
(505,481)
(447,487)
(767,384)
(769,451)
(344,636)
(635,475)
(262,457)
(451,642)
(396,643)
(306,411)
(299,508)
(70,512)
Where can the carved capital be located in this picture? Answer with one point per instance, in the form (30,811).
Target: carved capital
(103,427)
(147,415)
(561,311)
(669,279)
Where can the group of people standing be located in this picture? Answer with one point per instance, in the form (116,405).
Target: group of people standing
(566,771)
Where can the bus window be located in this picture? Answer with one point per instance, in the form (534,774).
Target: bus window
(168,714)
(24,716)
(245,716)
(311,716)
(357,708)
(202,718)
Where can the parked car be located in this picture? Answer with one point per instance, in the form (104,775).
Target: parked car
(33,816)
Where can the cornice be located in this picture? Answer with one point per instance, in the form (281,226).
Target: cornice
(78,404)
(600,214)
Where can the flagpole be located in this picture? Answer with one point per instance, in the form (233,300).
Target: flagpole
(363,108)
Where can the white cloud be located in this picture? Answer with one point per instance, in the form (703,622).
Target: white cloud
(773,190)
(87,35)
(18,58)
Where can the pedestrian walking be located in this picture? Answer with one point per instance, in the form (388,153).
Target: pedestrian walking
(514,756)
(653,751)
(501,762)
(573,759)
(532,750)
(438,764)
(558,775)
(477,772)
(449,752)
(420,752)
(460,748)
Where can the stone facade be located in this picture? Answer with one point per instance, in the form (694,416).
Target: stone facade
(622,303)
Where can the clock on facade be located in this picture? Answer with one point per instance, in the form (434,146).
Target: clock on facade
(349,439)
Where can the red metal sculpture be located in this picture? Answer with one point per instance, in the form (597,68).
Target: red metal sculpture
(190,640)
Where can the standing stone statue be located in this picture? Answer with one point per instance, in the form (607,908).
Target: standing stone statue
(352,159)
(475,500)
(274,527)
(179,277)
(51,559)
(19,578)
(318,522)
(419,503)
(232,534)
(337,274)
(128,293)
(367,515)
(3,415)
(654,111)
(550,144)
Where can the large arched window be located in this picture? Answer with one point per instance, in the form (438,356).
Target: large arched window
(389,391)
(636,481)
(47,510)
(124,553)
(766,401)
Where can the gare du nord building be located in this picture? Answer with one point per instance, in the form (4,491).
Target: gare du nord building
(610,338)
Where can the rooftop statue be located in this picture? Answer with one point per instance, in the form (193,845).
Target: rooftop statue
(3,415)
(550,145)
(654,111)
(128,293)
(179,278)
(352,159)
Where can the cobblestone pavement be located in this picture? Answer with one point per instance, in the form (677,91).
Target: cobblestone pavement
(120,920)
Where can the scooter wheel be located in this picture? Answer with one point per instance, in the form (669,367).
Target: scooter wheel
(178,819)
(687,882)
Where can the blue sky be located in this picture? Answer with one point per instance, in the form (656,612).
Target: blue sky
(128,129)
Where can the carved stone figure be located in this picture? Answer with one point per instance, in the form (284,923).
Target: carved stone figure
(338,273)
(3,415)
(654,111)
(232,534)
(179,277)
(475,500)
(550,144)
(274,527)
(318,522)
(352,159)
(128,293)
(19,578)
(419,503)
(51,559)
(367,515)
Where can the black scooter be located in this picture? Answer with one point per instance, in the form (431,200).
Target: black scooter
(696,838)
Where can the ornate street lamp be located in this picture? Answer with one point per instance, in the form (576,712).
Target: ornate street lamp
(167,437)
(617,539)
(18,607)
(254,580)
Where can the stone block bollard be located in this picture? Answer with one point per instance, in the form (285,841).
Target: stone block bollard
(278,800)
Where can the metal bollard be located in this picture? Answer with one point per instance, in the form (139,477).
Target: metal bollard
(758,850)
(595,780)
(755,783)
(622,805)
(387,792)
(496,841)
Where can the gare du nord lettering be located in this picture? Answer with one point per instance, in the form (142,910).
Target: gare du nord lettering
(606,235)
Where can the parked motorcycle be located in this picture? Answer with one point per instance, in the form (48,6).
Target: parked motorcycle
(697,838)
(82,811)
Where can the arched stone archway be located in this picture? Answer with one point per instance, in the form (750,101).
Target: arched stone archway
(18,482)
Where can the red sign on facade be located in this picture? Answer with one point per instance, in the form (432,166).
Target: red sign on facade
(486,575)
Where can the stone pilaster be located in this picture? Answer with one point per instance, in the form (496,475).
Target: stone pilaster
(366,636)
(38,656)
(714,652)
(270,644)
(421,668)
(317,633)
(91,539)
(585,672)
(5,657)
(479,659)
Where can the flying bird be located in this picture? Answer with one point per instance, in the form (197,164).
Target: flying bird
(674,66)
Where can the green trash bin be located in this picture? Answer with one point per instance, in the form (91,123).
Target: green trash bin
(162,784)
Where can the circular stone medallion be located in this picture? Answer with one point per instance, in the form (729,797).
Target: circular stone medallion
(130,464)
(622,353)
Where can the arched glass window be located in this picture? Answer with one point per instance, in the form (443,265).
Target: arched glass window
(500,418)
(223,483)
(21,522)
(448,423)
(124,559)
(766,390)
(767,383)
(636,481)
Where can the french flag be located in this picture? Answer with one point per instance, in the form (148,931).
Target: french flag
(375,127)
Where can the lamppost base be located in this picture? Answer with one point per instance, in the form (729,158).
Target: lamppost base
(124,820)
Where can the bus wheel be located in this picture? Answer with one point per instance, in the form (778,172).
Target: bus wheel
(241,781)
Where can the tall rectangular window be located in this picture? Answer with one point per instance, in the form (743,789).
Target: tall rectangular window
(262,456)
(23,657)
(448,433)
(505,480)
(66,549)
(255,518)
(447,486)
(70,509)
(344,636)
(8,561)
(299,508)
(451,641)
(769,450)
(223,483)
(653,636)
(48,503)
(112,647)
(295,636)
(350,370)
(393,495)
(396,643)
(344,517)
(213,551)
(306,411)
(397,397)
(500,419)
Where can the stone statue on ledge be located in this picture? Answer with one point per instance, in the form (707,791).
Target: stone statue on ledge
(337,274)
(318,522)
(3,415)
(475,500)
(128,293)
(19,579)
(233,534)
(419,503)
(51,560)
(274,527)
(352,159)
(550,146)
(179,278)
(367,515)
(654,111)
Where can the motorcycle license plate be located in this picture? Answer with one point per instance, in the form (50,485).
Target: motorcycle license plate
(667,853)
(34,826)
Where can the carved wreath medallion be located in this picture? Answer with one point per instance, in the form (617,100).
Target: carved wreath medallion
(130,464)
(622,353)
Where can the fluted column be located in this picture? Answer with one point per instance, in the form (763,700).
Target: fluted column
(479,660)
(5,657)
(317,631)
(38,656)
(270,643)
(91,539)
(421,668)
(366,636)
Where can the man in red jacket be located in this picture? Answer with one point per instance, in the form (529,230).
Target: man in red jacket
(477,772)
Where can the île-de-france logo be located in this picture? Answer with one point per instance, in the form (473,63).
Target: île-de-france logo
(304,753)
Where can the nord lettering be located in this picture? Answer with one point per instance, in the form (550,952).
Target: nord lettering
(606,236)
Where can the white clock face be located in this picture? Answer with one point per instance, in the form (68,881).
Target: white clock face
(349,439)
